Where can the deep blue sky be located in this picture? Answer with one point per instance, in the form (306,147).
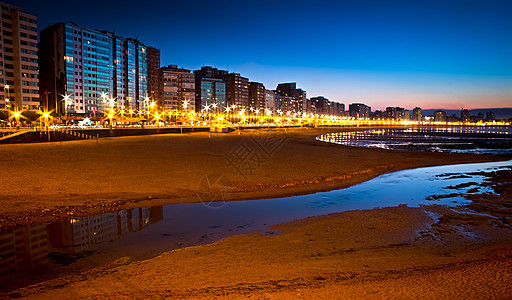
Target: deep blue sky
(433,54)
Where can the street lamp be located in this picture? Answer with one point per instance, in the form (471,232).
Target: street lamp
(16,115)
(207,109)
(67,101)
(110,117)
(157,120)
(7,100)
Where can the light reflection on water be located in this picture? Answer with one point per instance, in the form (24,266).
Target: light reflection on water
(473,140)
(146,232)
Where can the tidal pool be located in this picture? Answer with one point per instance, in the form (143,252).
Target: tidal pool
(474,140)
(76,244)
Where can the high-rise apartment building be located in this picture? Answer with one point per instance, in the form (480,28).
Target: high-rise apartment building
(359,110)
(257,96)
(154,84)
(337,109)
(417,114)
(397,113)
(465,115)
(98,70)
(285,104)
(299,95)
(210,89)
(19,75)
(270,100)
(440,116)
(490,116)
(237,90)
(211,72)
(321,104)
(178,88)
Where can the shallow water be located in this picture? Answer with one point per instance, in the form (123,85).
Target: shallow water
(475,140)
(80,243)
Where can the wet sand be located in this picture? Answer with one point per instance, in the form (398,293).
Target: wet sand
(391,252)
(50,181)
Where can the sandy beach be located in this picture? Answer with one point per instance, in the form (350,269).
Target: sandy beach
(429,252)
(49,181)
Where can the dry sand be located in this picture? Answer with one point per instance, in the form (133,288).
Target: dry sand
(42,182)
(397,252)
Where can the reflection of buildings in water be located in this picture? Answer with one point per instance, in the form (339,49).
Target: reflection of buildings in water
(23,248)
(79,234)
(26,247)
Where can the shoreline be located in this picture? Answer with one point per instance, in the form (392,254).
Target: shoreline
(318,174)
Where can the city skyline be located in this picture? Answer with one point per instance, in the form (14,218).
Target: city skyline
(436,55)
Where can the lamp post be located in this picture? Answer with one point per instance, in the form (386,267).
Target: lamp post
(7,100)
(16,115)
(185,106)
(146,105)
(214,108)
(232,112)
(207,110)
(110,116)
(111,102)
(67,101)
(227,113)
(46,116)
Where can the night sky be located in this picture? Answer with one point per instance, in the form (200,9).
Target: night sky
(433,54)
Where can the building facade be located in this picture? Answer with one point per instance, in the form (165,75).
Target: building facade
(359,111)
(440,116)
(19,74)
(397,114)
(322,105)
(490,116)
(178,88)
(337,109)
(154,85)
(210,89)
(417,114)
(270,100)
(257,96)
(237,90)
(285,104)
(298,95)
(465,115)
(98,70)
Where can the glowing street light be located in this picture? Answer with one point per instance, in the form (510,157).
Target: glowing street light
(157,120)
(8,99)
(111,102)
(110,116)
(67,101)
(16,115)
